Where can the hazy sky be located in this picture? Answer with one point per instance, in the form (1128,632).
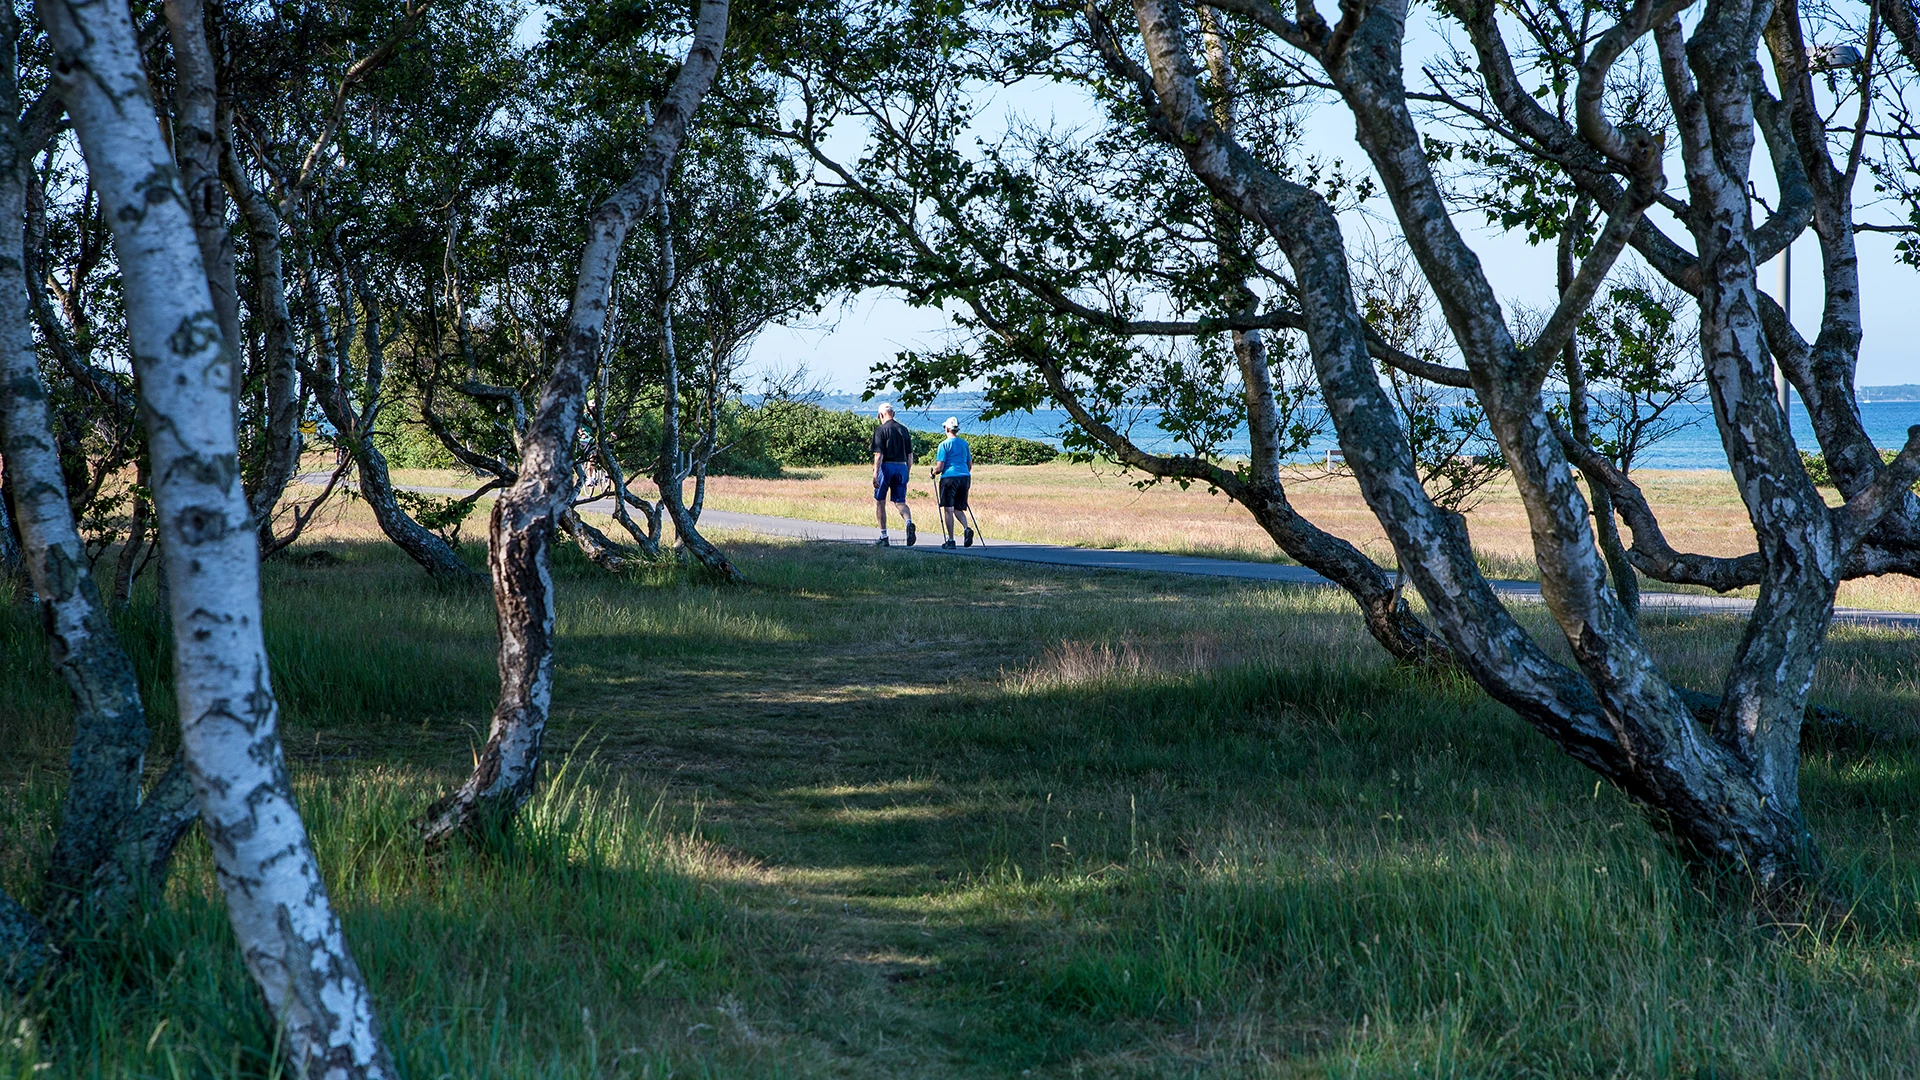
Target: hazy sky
(875,325)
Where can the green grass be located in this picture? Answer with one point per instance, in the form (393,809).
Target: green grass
(877,815)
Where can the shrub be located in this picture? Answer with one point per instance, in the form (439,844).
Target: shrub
(744,435)
(412,446)
(987,449)
(1817,471)
(800,435)
(804,435)
(1009,450)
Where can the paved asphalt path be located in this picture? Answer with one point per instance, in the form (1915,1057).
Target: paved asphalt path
(1157,563)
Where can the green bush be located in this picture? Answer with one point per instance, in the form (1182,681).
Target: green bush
(742,438)
(987,449)
(412,446)
(1817,471)
(1008,450)
(797,435)
(802,435)
(745,439)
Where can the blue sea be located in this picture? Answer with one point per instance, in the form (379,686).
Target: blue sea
(1695,446)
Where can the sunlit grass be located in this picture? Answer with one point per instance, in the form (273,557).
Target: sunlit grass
(876,815)
(1099,506)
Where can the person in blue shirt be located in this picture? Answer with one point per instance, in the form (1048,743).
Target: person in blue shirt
(953,468)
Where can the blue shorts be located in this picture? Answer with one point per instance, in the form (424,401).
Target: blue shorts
(893,478)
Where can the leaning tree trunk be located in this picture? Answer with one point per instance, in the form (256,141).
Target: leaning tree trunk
(668,474)
(1606,527)
(356,428)
(648,539)
(1732,809)
(103,803)
(128,562)
(277,902)
(196,147)
(280,457)
(1724,792)
(526,518)
(1383,605)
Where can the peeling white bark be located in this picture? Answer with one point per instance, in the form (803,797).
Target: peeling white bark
(110,724)
(277,903)
(1729,793)
(196,149)
(670,472)
(527,517)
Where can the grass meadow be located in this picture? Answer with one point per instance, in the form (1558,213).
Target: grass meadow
(879,814)
(1099,506)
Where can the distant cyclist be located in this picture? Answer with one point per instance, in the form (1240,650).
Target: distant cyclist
(953,468)
(892,457)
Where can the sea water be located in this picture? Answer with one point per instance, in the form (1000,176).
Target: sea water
(1695,445)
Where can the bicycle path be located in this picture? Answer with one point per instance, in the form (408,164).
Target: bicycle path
(1152,562)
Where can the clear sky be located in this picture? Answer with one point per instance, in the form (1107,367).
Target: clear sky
(873,326)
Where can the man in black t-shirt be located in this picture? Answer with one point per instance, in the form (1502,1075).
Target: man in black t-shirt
(892,456)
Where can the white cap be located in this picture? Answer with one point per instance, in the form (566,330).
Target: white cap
(952,424)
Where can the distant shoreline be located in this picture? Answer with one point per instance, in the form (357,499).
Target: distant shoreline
(1877,394)
(1693,446)
(1866,394)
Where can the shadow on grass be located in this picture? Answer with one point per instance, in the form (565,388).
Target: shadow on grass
(975,819)
(575,945)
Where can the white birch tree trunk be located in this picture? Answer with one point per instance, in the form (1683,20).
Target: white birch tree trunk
(110,725)
(670,472)
(288,934)
(526,518)
(196,147)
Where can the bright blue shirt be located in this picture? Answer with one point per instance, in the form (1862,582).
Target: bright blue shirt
(956,455)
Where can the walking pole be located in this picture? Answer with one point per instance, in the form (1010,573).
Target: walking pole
(977,531)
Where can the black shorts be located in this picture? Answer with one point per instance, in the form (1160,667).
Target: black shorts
(953,491)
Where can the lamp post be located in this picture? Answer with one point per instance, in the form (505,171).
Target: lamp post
(1821,58)
(1786,306)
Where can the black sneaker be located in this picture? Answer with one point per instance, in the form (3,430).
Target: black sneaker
(883,542)
(949,542)
(911,535)
(969,542)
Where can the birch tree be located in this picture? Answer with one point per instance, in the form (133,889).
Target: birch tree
(278,155)
(1083,269)
(527,516)
(113,838)
(1724,776)
(277,903)
(196,149)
